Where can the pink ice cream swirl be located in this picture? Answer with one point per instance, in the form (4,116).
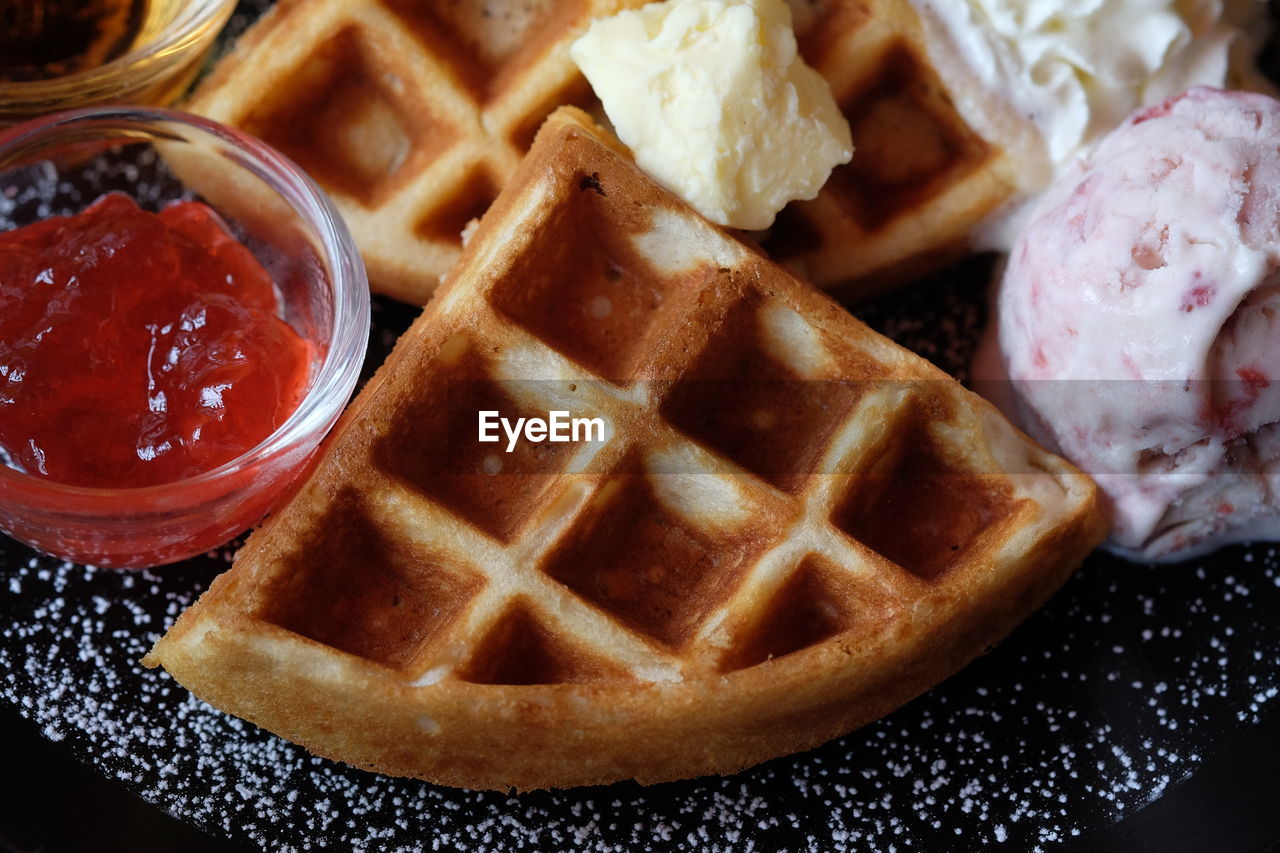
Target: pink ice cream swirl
(1139,322)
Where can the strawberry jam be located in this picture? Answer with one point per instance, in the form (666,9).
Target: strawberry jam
(137,348)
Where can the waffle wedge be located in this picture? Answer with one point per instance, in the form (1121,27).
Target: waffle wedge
(794,526)
(414,115)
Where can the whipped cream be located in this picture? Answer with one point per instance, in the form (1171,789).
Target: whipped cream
(1044,79)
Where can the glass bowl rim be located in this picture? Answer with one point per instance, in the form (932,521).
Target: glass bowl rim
(332,384)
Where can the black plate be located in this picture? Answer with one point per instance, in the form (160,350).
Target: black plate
(1137,708)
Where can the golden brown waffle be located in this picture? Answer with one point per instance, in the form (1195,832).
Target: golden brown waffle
(920,180)
(795,527)
(414,115)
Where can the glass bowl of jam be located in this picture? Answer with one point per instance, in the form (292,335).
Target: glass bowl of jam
(62,54)
(183,317)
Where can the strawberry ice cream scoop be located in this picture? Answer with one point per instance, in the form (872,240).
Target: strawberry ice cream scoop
(1139,322)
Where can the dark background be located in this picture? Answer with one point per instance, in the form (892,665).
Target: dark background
(53,803)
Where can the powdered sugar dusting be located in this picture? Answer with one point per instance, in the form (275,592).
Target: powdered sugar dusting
(1118,689)
(37,191)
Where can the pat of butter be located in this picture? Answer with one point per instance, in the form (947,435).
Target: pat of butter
(717,105)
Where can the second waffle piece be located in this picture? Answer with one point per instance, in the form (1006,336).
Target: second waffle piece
(794,527)
(413,115)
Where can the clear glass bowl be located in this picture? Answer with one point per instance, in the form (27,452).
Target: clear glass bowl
(166,56)
(60,164)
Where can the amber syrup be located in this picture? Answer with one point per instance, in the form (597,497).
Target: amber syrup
(44,39)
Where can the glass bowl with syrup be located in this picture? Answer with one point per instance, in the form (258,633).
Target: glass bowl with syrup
(62,54)
(58,166)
